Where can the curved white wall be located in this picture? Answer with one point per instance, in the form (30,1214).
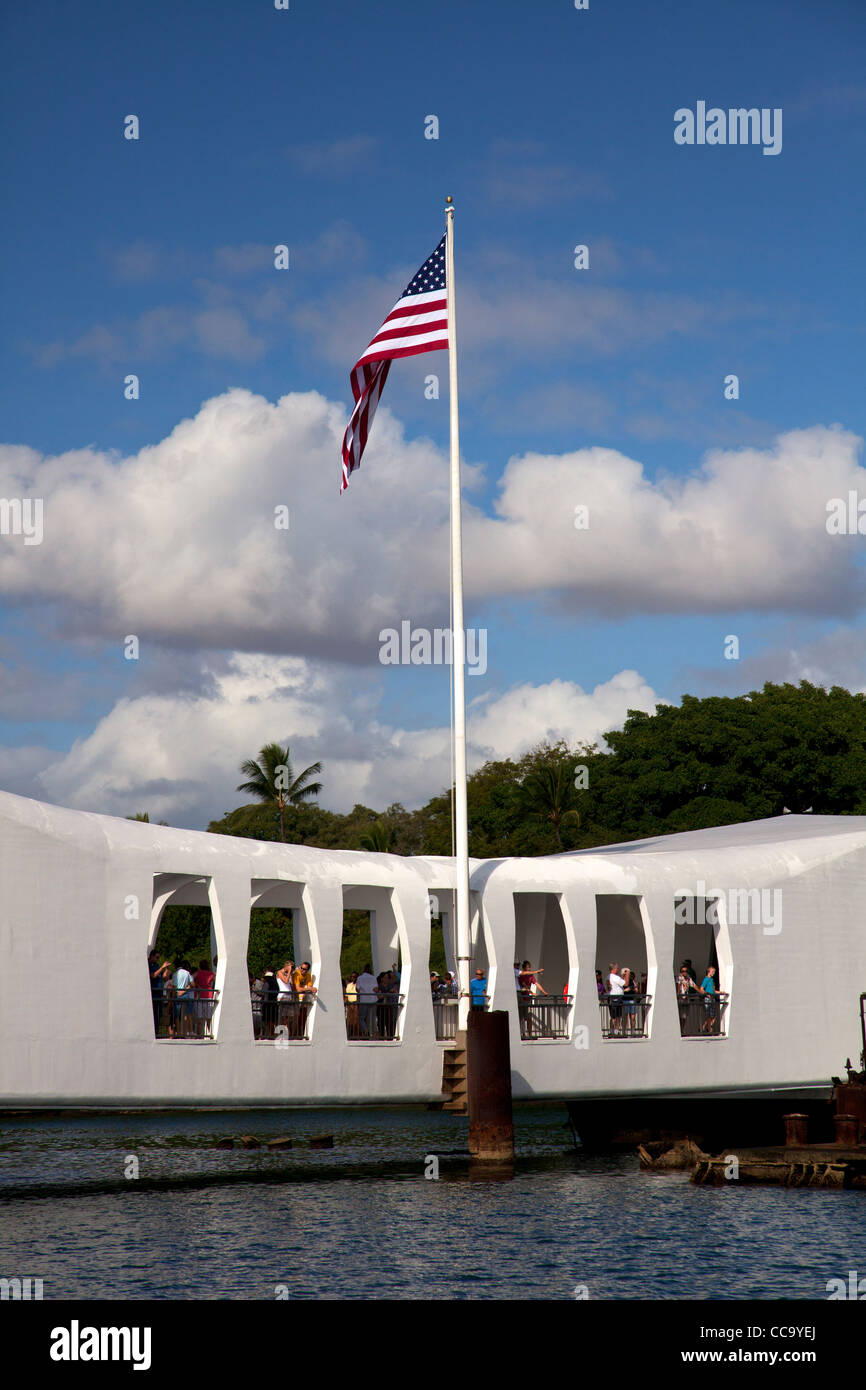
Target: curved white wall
(77,914)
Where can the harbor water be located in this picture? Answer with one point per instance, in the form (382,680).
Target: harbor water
(134,1206)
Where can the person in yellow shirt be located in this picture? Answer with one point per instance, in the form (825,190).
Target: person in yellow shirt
(304,986)
(350,995)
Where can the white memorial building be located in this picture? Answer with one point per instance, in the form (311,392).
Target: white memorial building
(776,905)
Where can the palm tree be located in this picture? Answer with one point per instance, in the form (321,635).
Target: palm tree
(379,838)
(549,792)
(272,779)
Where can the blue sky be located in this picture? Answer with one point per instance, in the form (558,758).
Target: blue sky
(306,127)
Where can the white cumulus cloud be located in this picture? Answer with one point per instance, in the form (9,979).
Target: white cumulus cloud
(178,542)
(178,756)
(747,530)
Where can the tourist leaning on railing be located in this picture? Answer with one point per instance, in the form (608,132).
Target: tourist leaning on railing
(386,1006)
(203,980)
(304,985)
(708,990)
(701,1006)
(285,996)
(277,1005)
(372,1005)
(184,992)
(617,1018)
(630,994)
(684,987)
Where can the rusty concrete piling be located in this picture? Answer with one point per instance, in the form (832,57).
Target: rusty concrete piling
(847,1130)
(488,1057)
(796,1130)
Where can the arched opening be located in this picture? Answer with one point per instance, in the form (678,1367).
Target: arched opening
(444,983)
(483,957)
(283,961)
(374,964)
(625,965)
(441,908)
(545,966)
(701,963)
(183,961)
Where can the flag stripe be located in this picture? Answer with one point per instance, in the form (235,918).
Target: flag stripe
(417,323)
(419,302)
(423,334)
(412,351)
(398,321)
(411,308)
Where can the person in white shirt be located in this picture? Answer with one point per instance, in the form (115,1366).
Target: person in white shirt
(286,997)
(615,988)
(368,993)
(183,999)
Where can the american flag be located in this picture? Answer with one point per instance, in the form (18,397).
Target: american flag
(417,323)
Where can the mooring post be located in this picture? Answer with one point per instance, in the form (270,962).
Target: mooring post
(796,1130)
(846,1130)
(488,1066)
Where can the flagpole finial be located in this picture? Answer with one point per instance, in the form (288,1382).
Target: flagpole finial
(449,203)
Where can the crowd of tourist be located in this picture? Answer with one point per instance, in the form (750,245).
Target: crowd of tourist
(537,1018)
(372,1003)
(281,1001)
(625,997)
(445,989)
(687,986)
(183,1002)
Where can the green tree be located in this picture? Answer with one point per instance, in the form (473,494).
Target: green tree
(355,947)
(549,791)
(501,820)
(312,825)
(720,760)
(184,934)
(272,780)
(379,838)
(703,762)
(271,940)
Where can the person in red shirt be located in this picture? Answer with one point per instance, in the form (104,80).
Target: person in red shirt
(203,979)
(528,986)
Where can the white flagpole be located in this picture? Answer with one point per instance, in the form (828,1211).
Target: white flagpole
(458,647)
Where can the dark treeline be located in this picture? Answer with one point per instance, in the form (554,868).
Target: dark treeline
(704,762)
